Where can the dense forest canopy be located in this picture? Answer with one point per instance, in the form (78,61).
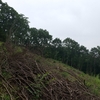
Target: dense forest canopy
(14,27)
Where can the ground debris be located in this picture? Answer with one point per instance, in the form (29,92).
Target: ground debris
(23,78)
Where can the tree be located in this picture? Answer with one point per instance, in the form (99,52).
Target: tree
(95,60)
(72,48)
(20,36)
(57,42)
(12,24)
(39,39)
(83,59)
(33,37)
(44,38)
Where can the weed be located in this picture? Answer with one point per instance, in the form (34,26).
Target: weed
(1,43)
(64,74)
(4,97)
(18,50)
(38,85)
(5,74)
(54,61)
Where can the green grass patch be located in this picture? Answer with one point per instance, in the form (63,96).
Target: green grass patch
(93,83)
(1,43)
(4,97)
(18,50)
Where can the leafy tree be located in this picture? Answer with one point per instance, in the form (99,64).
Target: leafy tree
(83,59)
(95,60)
(44,38)
(39,39)
(20,37)
(12,24)
(57,42)
(72,48)
(14,27)
(33,37)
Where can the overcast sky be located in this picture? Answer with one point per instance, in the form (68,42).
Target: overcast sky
(77,19)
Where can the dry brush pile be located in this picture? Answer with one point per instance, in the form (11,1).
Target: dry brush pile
(24,78)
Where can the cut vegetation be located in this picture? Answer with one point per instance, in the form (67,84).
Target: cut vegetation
(28,73)
(27,76)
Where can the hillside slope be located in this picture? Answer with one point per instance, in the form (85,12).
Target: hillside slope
(27,76)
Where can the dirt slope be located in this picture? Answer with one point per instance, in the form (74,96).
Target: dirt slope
(26,76)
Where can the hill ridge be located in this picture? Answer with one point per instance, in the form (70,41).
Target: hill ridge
(27,76)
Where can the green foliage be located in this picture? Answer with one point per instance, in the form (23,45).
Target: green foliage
(64,74)
(12,25)
(93,83)
(5,97)
(39,37)
(57,42)
(1,43)
(70,73)
(39,84)
(6,74)
(17,50)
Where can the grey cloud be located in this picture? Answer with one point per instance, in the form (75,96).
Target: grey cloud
(77,19)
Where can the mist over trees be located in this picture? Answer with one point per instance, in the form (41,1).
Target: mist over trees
(14,27)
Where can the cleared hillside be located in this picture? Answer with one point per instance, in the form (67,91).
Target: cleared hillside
(27,76)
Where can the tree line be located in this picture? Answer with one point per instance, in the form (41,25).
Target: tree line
(14,27)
